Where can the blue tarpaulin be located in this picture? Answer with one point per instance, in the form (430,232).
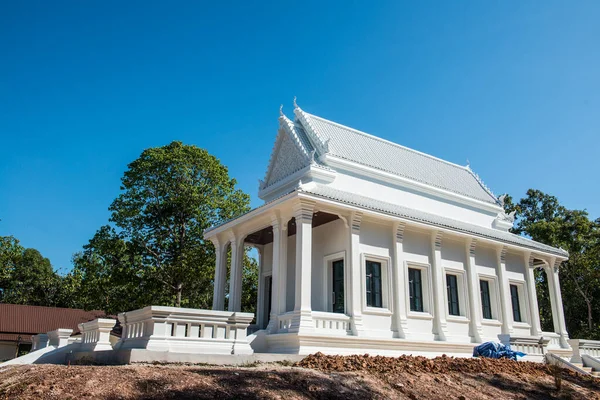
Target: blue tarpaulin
(496,350)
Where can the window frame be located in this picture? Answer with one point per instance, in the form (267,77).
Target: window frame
(523,303)
(426,287)
(463,300)
(328,261)
(495,300)
(386,284)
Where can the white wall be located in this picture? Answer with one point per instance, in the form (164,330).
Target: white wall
(411,199)
(378,240)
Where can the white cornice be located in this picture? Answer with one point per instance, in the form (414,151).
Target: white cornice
(337,162)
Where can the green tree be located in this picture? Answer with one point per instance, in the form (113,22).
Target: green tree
(541,217)
(26,277)
(170,195)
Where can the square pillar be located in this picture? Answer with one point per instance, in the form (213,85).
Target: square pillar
(59,337)
(276,269)
(355,278)
(474,292)
(302,319)
(536,326)
(235,276)
(505,301)
(439,286)
(220,274)
(558,313)
(399,317)
(260,297)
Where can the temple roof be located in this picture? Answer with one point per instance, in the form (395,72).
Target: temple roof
(340,141)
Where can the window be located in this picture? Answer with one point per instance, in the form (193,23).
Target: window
(415,289)
(486,302)
(374,296)
(452,287)
(516,307)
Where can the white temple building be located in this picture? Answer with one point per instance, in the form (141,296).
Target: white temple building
(366,246)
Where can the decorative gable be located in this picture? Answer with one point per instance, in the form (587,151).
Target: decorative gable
(287,159)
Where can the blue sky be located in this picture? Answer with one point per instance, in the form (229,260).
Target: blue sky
(512,86)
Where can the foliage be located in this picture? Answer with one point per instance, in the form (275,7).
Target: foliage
(155,252)
(541,217)
(26,277)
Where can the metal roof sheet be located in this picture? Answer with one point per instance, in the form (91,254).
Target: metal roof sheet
(22,319)
(363,148)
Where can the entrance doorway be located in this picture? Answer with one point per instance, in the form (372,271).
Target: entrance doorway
(337,268)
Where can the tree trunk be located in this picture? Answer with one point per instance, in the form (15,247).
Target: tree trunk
(589,309)
(179,289)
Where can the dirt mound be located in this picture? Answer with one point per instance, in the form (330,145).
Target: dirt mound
(443,364)
(316,377)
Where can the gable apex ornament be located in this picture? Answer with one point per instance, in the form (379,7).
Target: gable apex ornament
(295,104)
(281,110)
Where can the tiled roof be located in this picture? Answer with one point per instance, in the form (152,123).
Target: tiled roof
(324,191)
(362,148)
(18,319)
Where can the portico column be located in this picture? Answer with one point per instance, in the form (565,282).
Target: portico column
(505,300)
(302,320)
(439,286)
(220,274)
(475,327)
(275,277)
(536,329)
(235,276)
(260,297)
(354,268)
(558,313)
(399,318)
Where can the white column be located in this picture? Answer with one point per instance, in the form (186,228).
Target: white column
(536,327)
(260,298)
(505,300)
(474,292)
(399,317)
(558,313)
(439,287)
(283,266)
(275,277)
(355,278)
(220,274)
(235,276)
(302,320)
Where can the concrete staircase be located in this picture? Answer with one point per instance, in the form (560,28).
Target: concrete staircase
(589,370)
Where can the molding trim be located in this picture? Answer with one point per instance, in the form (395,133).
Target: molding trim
(400,231)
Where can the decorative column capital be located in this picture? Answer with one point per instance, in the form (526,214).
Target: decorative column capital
(502,253)
(303,210)
(556,265)
(437,239)
(399,231)
(355,221)
(472,246)
(215,241)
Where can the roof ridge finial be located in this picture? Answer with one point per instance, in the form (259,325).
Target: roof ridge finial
(281,110)
(295,104)
(468,163)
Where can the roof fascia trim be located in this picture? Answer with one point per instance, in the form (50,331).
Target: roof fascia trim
(312,172)
(426,225)
(211,232)
(364,170)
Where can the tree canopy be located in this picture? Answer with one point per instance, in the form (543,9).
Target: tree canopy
(541,217)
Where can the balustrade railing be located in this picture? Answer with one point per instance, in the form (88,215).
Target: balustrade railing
(582,347)
(326,322)
(95,335)
(185,330)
